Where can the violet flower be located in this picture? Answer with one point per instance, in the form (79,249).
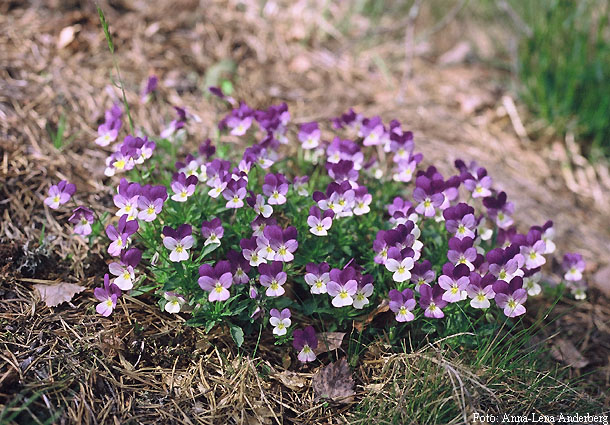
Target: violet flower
(82,218)
(511,296)
(174,302)
(342,286)
(150,202)
(400,264)
(462,251)
(259,206)
(309,135)
(151,86)
(217,280)
(108,295)
(402,303)
(531,282)
(235,193)
(251,252)
(305,341)
(479,184)
(533,250)
(280,321)
(272,277)
(212,231)
(282,242)
(126,200)
(183,187)
(507,263)
(422,274)
(454,281)
(362,201)
(106,134)
(239,267)
(500,210)
(59,194)
(275,188)
(460,221)
(317,277)
(427,196)
(573,266)
(120,235)
(299,185)
(364,291)
(432,301)
(319,223)
(480,290)
(124,269)
(178,241)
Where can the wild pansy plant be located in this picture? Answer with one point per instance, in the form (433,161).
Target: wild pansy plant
(305,227)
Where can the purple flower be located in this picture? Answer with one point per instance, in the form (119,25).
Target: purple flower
(480,290)
(505,264)
(342,286)
(183,187)
(533,250)
(174,302)
(251,252)
(511,296)
(531,282)
(460,221)
(500,210)
(422,273)
(212,231)
(217,280)
(108,295)
(178,241)
(299,185)
(59,194)
(479,184)
(150,202)
(275,188)
(126,200)
(400,205)
(82,217)
(319,223)
(280,321)
(454,281)
(282,242)
(402,303)
(317,277)
(309,135)
(373,131)
(432,301)
(239,120)
(462,251)
(428,196)
(235,193)
(151,86)
(119,236)
(573,266)
(362,200)
(117,162)
(239,267)
(106,134)
(342,171)
(272,277)
(259,224)
(124,269)
(364,291)
(259,206)
(176,124)
(305,341)
(400,264)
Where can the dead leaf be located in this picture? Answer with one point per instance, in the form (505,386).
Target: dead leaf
(328,341)
(601,280)
(359,325)
(53,295)
(66,36)
(294,381)
(564,351)
(334,382)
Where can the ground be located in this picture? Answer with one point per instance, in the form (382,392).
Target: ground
(55,63)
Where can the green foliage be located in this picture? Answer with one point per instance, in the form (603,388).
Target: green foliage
(565,68)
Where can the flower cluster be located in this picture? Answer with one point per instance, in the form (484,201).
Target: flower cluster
(272,248)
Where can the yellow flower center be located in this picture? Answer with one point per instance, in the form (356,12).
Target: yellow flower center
(402,311)
(454,290)
(126,276)
(512,304)
(432,307)
(56,199)
(150,210)
(282,251)
(109,302)
(401,270)
(274,285)
(179,249)
(343,294)
(280,325)
(427,203)
(119,164)
(480,297)
(319,227)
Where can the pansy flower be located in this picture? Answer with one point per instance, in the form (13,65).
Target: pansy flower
(299,185)
(178,241)
(364,291)
(240,267)
(573,266)
(462,251)
(533,250)
(511,296)
(150,202)
(432,301)
(183,187)
(309,135)
(126,200)
(317,277)
(217,280)
(362,201)
(319,223)
(427,197)
(212,231)
(259,205)
(106,134)
(480,289)
(454,281)
(342,286)
(460,221)
(174,302)
(235,193)
(251,252)
(400,264)
(82,218)
(402,304)
(120,235)
(273,277)
(500,210)
(479,184)
(531,282)
(124,269)
(280,321)
(422,274)
(282,242)
(59,194)
(275,187)
(108,295)
(305,341)
(506,263)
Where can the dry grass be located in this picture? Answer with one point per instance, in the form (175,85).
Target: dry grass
(143,365)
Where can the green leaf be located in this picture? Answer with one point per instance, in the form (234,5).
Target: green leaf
(238,335)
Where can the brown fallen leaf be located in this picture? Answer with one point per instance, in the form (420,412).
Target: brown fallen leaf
(328,341)
(564,351)
(334,382)
(53,295)
(294,381)
(359,325)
